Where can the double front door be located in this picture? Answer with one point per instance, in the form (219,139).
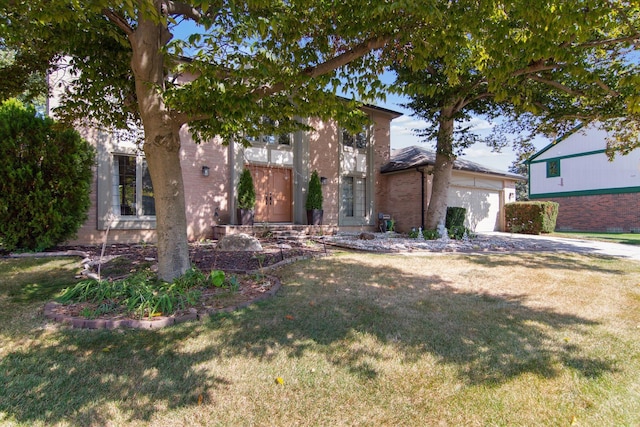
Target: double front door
(273,193)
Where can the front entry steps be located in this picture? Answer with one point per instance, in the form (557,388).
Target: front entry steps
(279,231)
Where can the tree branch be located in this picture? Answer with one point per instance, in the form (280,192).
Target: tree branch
(182,9)
(478,97)
(346,57)
(329,65)
(118,20)
(536,67)
(556,85)
(606,88)
(595,43)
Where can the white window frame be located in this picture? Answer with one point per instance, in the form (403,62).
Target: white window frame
(366,176)
(138,204)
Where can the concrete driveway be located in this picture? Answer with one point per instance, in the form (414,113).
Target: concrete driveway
(562,244)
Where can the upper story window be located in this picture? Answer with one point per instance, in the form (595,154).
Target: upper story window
(358,140)
(270,138)
(553,168)
(132,188)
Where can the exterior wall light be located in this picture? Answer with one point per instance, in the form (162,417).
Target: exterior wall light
(205,171)
(323,180)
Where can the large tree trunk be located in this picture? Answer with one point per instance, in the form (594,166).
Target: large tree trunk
(163,158)
(437,210)
(162,149)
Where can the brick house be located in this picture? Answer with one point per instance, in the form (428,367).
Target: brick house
(594,194)
(482,191)
(122,196)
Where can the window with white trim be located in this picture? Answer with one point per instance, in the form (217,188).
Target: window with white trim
(358,140)
(132,192)
(270,139)
(354,197)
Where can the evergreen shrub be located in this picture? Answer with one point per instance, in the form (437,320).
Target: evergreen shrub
(45,179)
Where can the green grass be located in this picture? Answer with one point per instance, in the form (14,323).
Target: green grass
(36,279)
(626,238)
(527,339)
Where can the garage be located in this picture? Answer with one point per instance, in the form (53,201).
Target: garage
(482,191)
(482,205)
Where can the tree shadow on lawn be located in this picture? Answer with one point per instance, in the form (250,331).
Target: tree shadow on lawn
(490,338)
(327,306)
(551,261)
(75,379)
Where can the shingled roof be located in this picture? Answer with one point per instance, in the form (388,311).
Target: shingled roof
(417,157)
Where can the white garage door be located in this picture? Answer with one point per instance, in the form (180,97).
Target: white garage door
(483,207)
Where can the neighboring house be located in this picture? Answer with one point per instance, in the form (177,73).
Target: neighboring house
(122,197)
(594,194)
(482,191)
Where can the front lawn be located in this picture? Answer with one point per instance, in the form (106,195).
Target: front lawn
(352,339)
(626,238)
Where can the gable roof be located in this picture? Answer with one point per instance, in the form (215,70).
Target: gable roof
(555,142)
(415,157)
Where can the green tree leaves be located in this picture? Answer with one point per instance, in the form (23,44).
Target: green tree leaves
(44,179)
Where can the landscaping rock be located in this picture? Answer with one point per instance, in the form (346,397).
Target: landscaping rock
(239,242)
(366,236)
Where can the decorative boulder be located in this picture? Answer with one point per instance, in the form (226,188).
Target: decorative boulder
(366,236)
(239,242)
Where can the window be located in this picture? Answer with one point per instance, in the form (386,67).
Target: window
(132,189)
(354,197)
(553,168)
(358,140)
(270,139)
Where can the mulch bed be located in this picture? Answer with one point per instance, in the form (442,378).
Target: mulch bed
(206,258)
(250,270)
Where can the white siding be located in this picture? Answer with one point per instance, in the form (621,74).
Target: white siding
(582,141)
(581,169)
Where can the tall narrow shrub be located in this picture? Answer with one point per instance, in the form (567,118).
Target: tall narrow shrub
(314,196)
(246,191)
(455,217)
(45,178)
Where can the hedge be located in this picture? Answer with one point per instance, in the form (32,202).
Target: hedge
(531,217)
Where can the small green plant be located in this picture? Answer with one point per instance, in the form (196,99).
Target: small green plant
(458,232)
(142,294)
(260,257)
(232,283)
(413,234)
(391,224)
(430,234)
(87,313)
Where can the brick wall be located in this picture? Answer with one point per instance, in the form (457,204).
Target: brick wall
(324,157)
(203,194)
(402,199)
(381,155)
(605,212)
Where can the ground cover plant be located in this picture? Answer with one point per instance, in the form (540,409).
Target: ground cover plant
(143,295)
(355,338)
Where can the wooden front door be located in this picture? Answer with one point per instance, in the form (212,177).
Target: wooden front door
(273,193)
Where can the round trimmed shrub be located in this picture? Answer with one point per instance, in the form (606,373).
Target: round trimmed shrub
(45,178)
